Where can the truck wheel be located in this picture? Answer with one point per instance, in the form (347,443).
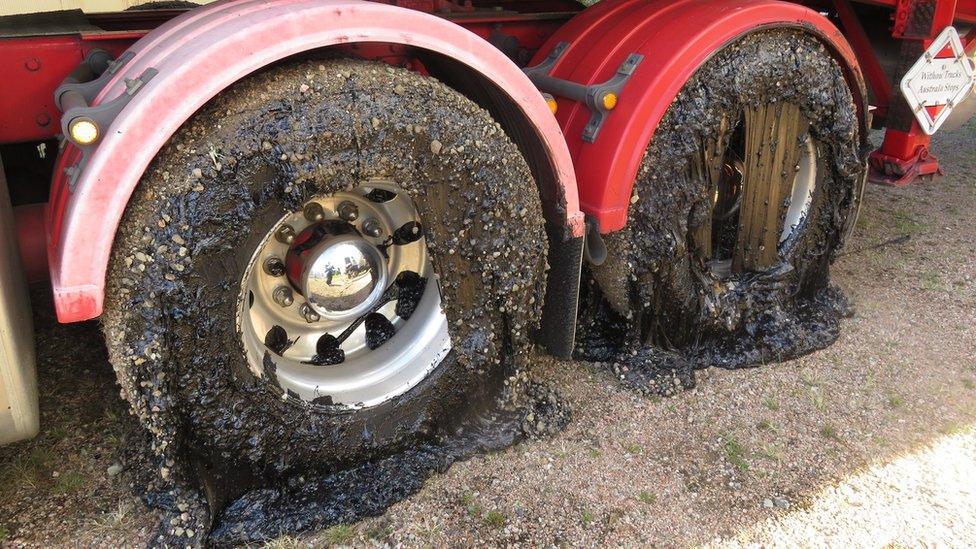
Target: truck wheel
(327,263)
(745,193)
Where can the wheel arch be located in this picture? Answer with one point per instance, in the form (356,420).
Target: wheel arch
(205,51)
(675,39)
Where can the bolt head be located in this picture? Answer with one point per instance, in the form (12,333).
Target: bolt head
(309,313)
(283,296)
(274,266)
(313,211)
(372,227)
(348,211)
(285,234)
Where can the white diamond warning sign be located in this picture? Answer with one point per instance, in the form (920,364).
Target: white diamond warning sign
(941,79)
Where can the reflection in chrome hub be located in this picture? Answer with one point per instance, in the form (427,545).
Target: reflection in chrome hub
(340,274)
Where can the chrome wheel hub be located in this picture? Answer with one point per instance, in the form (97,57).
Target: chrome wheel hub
(340,273)
(340,305)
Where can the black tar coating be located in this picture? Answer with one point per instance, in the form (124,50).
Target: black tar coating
(367,489)
(327,351)
(379,330)
(251,155)
(410,288)
(665,314)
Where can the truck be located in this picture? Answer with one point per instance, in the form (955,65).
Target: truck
(314,231)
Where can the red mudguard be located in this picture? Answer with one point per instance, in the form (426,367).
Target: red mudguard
(201,53)
(675,37)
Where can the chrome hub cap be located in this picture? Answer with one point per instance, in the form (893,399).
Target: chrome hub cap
(340,273)
(340,304)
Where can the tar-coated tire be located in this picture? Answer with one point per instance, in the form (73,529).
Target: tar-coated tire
(653,277)
(262,149)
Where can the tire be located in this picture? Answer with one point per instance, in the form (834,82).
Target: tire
(262,149)
(664,275)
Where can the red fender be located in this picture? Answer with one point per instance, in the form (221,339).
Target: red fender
(204,51)
(675,37)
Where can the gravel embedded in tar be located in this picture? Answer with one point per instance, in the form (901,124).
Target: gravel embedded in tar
(547,412)
(673,314)
(171,339)
(297,504)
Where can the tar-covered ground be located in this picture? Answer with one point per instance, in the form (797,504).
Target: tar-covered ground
(871,442)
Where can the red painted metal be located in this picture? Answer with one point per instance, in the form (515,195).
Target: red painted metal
(676,37)
(29,222)
(965,9)
(39,64)
(201,53)
(904,154)
(922,19)
(32,68)
(903,158)
(875,74)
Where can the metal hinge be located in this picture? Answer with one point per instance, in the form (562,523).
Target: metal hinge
(74,99)
(600,99)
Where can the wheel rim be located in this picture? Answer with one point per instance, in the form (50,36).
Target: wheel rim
(801,196)
(762,173)
(339,303)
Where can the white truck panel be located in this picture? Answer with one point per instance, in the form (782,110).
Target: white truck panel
(17,7)
(18,384)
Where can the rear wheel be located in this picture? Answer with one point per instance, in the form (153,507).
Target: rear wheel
(744,195)
(327,263)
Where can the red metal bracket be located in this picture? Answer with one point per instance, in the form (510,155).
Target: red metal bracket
(904,155)
(903,159)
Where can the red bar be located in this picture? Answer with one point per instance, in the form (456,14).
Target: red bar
(870,66)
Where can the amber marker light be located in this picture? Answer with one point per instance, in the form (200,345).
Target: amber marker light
(551,102)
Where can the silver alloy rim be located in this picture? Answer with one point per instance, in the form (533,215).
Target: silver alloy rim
(328,270)
(801,197)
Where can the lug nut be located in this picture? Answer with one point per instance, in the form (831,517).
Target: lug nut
(309,313)
(372,227)
(348,211)
(285,234)
(314,211)
(282,296)
(274,266)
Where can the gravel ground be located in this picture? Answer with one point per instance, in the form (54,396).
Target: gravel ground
(869,443)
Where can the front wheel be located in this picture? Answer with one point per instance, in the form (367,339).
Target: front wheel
(327,263)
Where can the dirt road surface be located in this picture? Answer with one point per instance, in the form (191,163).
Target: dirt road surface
(869,443)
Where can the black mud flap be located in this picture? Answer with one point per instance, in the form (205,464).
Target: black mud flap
(557,329)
